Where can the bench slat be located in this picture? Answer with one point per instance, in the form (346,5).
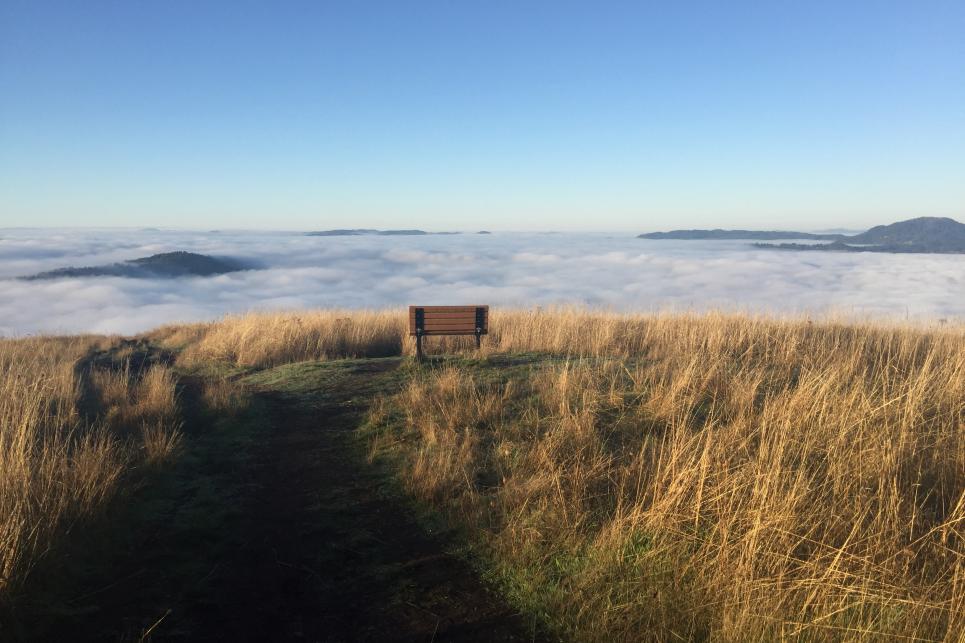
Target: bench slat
(465,319)
(446,311)
(442,327)
(430,317)
(434,315)
(451,317)
(467,333)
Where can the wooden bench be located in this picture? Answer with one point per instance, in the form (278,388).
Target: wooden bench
(447,320)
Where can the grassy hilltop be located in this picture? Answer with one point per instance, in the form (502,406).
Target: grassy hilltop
(586,476)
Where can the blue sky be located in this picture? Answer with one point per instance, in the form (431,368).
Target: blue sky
(498,115)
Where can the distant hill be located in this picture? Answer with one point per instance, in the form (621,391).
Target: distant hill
(164,265)
(738,234)
(938,235)
(933,231)
(341,233)
(922,235)
(367,231)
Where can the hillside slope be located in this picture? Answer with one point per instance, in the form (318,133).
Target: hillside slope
(606,477)
(931,232)
(164,265)
(923,234)
(719,234)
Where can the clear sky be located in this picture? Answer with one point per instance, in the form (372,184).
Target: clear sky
(498,115)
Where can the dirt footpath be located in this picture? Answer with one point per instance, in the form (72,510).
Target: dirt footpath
(270,526)
(332,557)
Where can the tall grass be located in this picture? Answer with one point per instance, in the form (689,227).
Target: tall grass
(258,340)
(644,477)
(711,476)
(265,339)
(61,463)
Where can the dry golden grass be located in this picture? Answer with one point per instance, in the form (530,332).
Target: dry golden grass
(129,399)
(649,477)
(259,340)
(736,478)
(177,336)
(224,397)
(60,463)
(265,339)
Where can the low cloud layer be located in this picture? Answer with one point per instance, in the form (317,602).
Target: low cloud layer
(607,271)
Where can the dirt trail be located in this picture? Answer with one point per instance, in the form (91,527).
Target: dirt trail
(300,540)
(331,557)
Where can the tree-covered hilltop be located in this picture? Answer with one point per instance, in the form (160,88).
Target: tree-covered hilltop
(923,234)
(719,234)
(938,235)
(163,265)
(358,232)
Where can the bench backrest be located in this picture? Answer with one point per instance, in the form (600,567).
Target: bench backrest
(448,320)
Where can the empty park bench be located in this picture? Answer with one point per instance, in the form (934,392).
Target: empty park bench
(447,320)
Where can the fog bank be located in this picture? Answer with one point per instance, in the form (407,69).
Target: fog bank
(616,272)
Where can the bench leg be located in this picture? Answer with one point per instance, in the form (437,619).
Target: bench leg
(418,347)
(478,341)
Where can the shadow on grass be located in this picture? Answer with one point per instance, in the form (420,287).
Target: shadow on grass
(269,526)
(114,574)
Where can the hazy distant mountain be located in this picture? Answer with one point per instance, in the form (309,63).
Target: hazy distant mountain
(933,231)
(738,234)
(924,234)
(164,265)
(367,231)
(341,233)
(842,231)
